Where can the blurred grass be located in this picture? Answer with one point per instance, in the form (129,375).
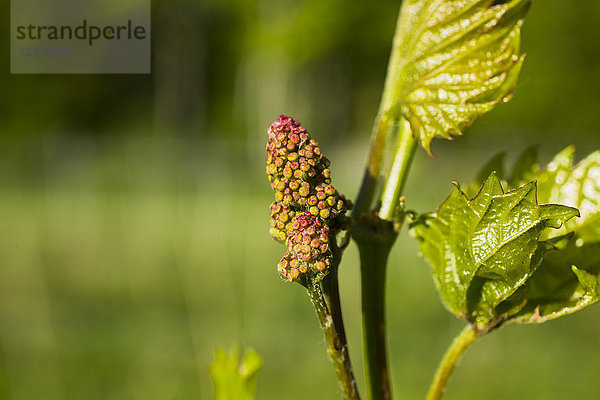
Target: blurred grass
(127,261)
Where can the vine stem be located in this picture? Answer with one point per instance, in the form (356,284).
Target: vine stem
(375,243)
(375,236)
(335,337)
(374,233)
(448,363)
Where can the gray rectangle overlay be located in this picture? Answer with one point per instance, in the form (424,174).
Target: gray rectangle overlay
(80,36)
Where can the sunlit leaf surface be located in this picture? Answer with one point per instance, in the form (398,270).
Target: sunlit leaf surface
(567,279)
(453,62)
(576,186)
(482,250)
(560,182)
(565,267)
(565,282)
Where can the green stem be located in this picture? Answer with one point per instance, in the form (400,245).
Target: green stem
(375,239)
(336,340)
(448,363)
(375,234)
(405,152)
(373,315)
(331,290)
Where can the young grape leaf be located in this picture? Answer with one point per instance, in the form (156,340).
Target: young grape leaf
(453,61)
(565,274)
(497,299)
(565,282)
(576,186)
(482,250)
(560,183)
(232,379)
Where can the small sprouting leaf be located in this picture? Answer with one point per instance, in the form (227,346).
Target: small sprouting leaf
(482,250)
(232,379)
(453,61)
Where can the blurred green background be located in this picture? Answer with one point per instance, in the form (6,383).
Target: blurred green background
(134,209)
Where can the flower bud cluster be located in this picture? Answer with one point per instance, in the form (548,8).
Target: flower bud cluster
(306,204)
(300,175)
(308,246)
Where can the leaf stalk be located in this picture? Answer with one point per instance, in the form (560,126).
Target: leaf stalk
(405,152)
(454,353)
